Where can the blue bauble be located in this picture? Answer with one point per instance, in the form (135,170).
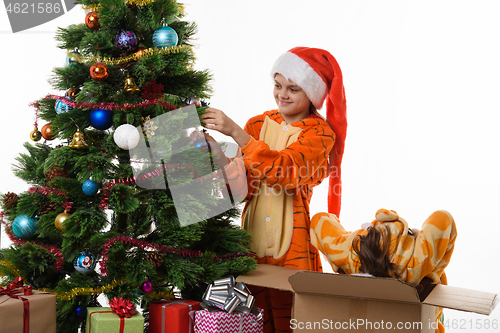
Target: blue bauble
(200,143)
(90,187)
(24,226)
(84,262)
(165,36)
(101,119)
(126,40)
(80,311)
(70,60)
(62,107)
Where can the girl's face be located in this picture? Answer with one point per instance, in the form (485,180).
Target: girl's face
(293,103)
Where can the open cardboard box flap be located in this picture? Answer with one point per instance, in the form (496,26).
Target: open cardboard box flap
(386,289)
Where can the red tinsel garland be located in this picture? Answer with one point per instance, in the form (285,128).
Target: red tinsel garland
(131,180)
(49,190)
(160,248)
(107,106)
(55,250)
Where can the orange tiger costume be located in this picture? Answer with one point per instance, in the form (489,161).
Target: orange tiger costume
(415,256)
(283,162)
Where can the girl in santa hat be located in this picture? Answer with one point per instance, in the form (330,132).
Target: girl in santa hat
(285,153)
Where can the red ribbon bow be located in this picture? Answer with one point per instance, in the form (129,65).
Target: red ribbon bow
(10,289)
(122,307)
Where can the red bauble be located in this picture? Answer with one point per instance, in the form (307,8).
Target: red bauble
(47,132)
(92,21)
(99,71)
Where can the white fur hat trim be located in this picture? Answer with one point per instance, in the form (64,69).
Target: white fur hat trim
(296,69)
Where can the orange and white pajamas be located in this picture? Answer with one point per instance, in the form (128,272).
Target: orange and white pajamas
(280,166)
(415,256)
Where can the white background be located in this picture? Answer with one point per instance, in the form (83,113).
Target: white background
(422,81)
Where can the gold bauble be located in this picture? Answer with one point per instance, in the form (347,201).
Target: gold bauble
(58,222)
(35,135)
(72,92)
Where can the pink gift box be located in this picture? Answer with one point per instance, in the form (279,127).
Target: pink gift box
(223,322)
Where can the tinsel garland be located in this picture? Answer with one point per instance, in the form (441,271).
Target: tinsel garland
(55,250)
(11,268)
(106,189)
(106,106)
(54,191)
(84,291)
(125,240)
(133,57)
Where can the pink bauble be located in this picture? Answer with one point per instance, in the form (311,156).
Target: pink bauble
(146,287)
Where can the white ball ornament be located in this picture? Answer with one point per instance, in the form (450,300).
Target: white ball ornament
(126,136)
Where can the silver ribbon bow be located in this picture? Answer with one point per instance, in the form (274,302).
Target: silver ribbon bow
(229,296)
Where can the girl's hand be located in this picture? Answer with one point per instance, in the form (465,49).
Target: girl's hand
(218,155)
(217,120)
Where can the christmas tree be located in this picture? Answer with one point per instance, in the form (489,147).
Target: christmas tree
(118,176)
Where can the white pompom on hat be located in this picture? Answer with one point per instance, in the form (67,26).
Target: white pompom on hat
(318,74)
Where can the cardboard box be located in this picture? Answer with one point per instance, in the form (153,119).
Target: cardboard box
(328,302)
(42,316)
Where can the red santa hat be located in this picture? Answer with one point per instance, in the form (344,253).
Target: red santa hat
(318,74)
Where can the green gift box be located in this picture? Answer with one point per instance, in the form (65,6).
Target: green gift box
(104,320)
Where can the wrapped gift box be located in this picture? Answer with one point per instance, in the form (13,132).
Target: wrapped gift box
(42,313)
(171,316)
(222,322)
(104,320)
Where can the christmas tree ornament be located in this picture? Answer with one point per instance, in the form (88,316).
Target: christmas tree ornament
(165,37)
(80,311)
(58,222)
(71,93)
(10,199)
(148,126)
(146,287)
(140,52)
(130,85)
(99,71)
(90,187)
(84,262)
(78,142)
(62,107)
(152,90)
(126,136)
(126,40)
(35,135)
(47,133)
(101,119)
(154,258)
(24,226)
(200,143)
(92,21)
(71,58)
